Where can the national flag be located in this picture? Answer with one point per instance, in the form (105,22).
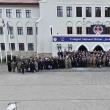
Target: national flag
(7,24)
(8,28)
(3,22)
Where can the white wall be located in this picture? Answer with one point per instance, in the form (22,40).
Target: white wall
(48,13)
(23,22)
(45,16)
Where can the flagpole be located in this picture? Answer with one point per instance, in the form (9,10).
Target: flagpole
(0,53)
(9,36)
(5,36)
(1,57)
(6,42)
(9,41)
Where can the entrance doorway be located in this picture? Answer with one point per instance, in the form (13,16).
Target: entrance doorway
(82,48)
(98,48)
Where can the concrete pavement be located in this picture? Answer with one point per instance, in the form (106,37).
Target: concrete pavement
(73,89)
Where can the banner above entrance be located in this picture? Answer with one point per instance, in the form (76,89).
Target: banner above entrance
(80,39)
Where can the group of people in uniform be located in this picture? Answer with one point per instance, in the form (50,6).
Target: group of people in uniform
(23,65)
(86,58)
(64,60)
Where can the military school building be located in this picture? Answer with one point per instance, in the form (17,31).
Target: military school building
(45,27)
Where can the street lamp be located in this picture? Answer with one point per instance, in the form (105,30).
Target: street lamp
(37,32)
(3,25)
(84,25)
(5,39)
(0,53)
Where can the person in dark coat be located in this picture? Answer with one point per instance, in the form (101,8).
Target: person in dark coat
(32,66)
(22,67)
(9,65)
(13,65)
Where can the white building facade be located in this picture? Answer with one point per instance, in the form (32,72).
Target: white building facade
(18,28)
(69,24)
(46,27)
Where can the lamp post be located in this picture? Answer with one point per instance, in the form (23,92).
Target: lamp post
(0,53)
(84,25)
(10,50)
(36,35)
(5,37)
(3,25)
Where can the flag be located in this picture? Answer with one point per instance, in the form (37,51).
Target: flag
(7,25)
(8,28)
(3,22)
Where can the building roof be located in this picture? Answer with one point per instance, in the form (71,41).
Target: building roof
(19,1)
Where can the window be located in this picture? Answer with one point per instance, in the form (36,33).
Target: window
(69,11)
(69,30)
(88,11)
(97,11)
(8,13)
(29,31)
(59,11)
(107,11)
(30,46)
(18,13)
(20,30)
(3,46)
(88,30)
(107,30)
(1,30)
(28,13)
(79,30)
(10,31)
(21,46)
(12,46)
(0,13)
(78,11)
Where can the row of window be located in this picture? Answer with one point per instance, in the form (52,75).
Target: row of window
(21,46)
(88,11)
(88,30)
(19,13)
(19,30)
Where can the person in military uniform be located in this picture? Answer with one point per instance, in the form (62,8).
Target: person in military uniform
(32,66)
(22,67)
(9,66)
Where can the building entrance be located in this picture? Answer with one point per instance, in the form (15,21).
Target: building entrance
(82,48)
(98,48)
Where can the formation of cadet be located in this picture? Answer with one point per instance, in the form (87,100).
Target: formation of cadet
(64,60)
(23,65)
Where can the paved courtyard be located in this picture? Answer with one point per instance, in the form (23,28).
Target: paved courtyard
(73,89)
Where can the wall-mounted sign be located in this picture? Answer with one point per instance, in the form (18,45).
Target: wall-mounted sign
(80,39)
(97,29)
